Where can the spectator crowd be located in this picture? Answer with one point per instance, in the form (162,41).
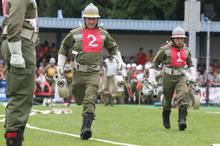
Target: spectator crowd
(136,70)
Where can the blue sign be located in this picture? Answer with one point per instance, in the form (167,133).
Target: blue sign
(2,90)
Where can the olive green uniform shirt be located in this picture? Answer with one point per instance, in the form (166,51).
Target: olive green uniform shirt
(163,55)
(73,41)
(172,83)
(21,11)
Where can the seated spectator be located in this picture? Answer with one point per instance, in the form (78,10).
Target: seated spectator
(43,51)
(43,62)
(150,56)
(40,75)
(201,66)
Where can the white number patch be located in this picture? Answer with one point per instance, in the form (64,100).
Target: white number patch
(179,59)
(92,42)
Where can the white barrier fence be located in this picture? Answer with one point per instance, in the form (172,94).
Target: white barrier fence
(214,95)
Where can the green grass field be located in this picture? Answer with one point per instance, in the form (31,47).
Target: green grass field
(130,124)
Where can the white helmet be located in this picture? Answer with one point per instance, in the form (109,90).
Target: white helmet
(128,65)
(52,60)
(147,65)
(133,65)
(67,67)
(91,11)
(178,33)
(139,67)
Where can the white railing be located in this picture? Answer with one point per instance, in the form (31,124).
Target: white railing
(122,24)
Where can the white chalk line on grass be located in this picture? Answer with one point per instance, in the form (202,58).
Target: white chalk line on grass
(2,120)
(73,135)
(213,112)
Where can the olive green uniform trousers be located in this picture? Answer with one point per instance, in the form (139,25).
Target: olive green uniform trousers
(20,86)
(171,84)
(85,89)
(69,84)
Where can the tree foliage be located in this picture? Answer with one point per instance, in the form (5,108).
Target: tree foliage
(122,9)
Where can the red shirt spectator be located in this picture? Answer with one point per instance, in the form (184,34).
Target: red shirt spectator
(141,57)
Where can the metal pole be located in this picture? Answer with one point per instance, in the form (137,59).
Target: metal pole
(207,61)
(139,96)
(192,27)
(208,47)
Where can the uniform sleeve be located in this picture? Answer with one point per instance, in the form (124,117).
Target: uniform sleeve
(66,44)
(158,58)
(110,45)
(16,18)
(46,69)
(189,60)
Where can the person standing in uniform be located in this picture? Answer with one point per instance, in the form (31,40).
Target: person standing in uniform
(87,43)
(20,35)
(175,57)
(111,66)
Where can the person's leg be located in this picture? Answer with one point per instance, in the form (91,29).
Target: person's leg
(112,90)
(20,88)
(106,93)
(78,88)
(182,101)
(168,90)
(92,84)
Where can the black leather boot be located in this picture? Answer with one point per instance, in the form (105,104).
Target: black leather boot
(166,119)
(86,131)
(13,138)
(182,117)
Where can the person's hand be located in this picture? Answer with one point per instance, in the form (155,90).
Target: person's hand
(60,64)
(16,59)
(60,70)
